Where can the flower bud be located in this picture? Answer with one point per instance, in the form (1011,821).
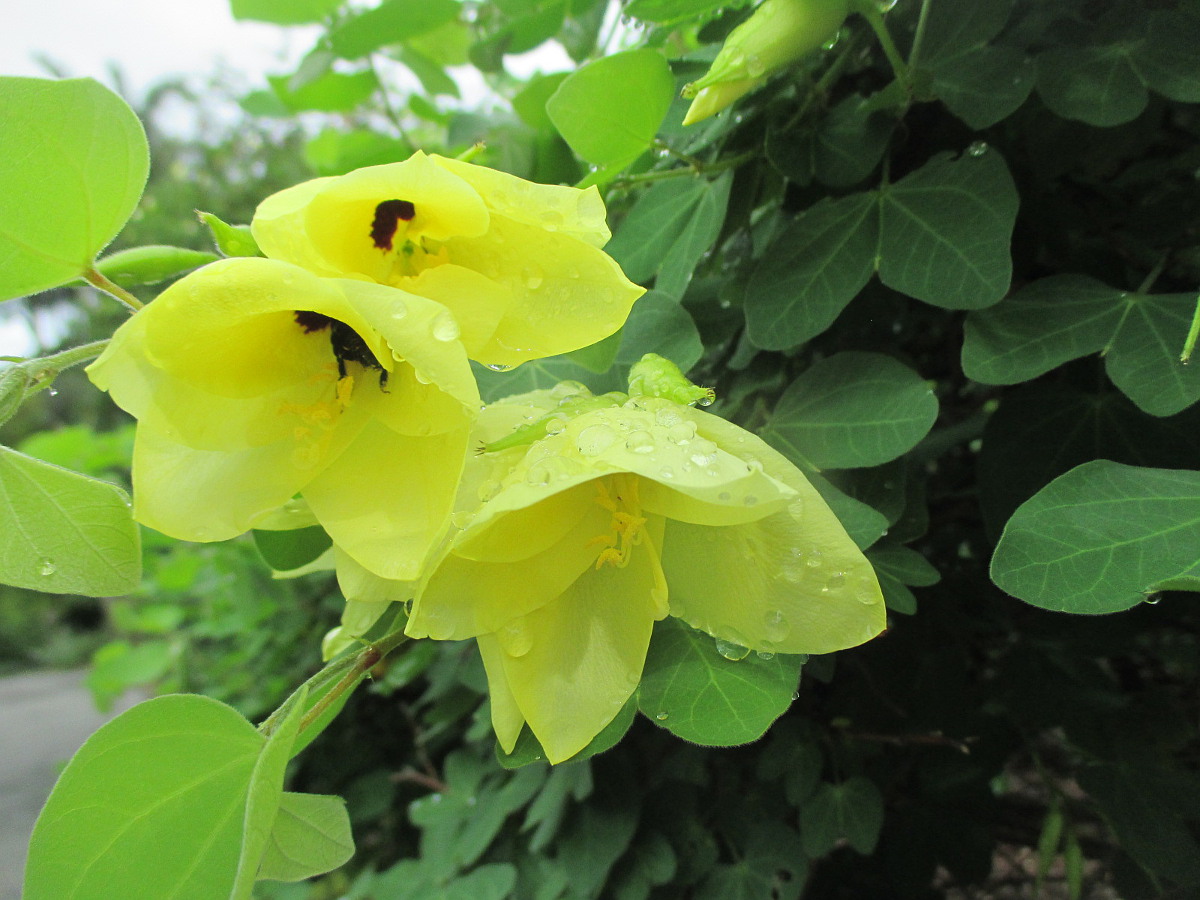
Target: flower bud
(779,33)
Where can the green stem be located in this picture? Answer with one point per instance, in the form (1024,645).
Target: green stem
(388,110)
(363,663)
(98,281)
(705,169)
(1189,343)
(1148,281)
(874,17)
(57,362)
(914,55)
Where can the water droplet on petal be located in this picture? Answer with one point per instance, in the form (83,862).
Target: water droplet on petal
(775,626)
(666,472)
(1151,599)
(814,559)
(515,639)
(533,277)
(837,581)
(732,651)
(499,367)
(399,310)
(666,417)
(595,439)
(639,442)
(755,67)
(46,567)
(488,490)
(445,328)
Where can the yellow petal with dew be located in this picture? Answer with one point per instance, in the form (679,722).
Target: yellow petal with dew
(477,303)
(278,227)
(573,664)
(565,210)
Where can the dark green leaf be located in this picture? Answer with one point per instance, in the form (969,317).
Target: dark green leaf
(771,865)
(659,325)
(693,691)
(945,230)
(1097,84)
(852,410)
(65,533)
(811,271)
(1167,59)
(1101,538)
(852,810)
(863,523)
(985,86)
(287,550)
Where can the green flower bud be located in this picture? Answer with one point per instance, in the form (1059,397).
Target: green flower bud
(14,384)
(657,376)
(151,264)
(779,33)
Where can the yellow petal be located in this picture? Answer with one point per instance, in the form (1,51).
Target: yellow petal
(278,227)
(792,582)
(387,498)
(468,597)
(573,664)
(507,720)
(566,210)
(360,585)
(567,293)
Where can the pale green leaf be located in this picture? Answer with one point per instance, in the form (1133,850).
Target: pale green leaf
(311,836)
(852,410)
(1101,537)
(75,162)
(391,22)
(65,533)
(610,109)
(150,807)
(694,692)
(283,12)
(151,264)
(332,92)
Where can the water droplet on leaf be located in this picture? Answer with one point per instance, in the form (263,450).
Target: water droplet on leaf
(46,567)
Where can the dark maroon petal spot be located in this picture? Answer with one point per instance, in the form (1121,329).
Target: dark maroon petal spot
(312,321)
(388,216)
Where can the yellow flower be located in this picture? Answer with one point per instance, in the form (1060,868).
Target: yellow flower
(519,264)
(253,380)
(779,33)
(626,515)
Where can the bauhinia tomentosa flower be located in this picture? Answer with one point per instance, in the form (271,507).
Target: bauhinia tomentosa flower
(627,514)
(254,380)
(779,33)
(518,264)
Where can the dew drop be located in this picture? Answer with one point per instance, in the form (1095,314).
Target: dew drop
(461,519)
(399,310)
(595,439)
(666,472)
(775,626)
(1151,599)
(755,67)
(837,581)
(53,392)
(886,5)
(833,41)
(732,651)
(515,639)
(488,490)
(499,367)
(749,500)
(533,277)
(46,567)
(724,496)
(639,442)
(814,559)
(445,328)
(661,716)
(764,654)
(539,475)
(668,417)
(977,149)
(556,425)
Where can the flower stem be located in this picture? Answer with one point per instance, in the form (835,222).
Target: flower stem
(1189,343)
(914,55)
(869,11)
(98,281)
(362,664)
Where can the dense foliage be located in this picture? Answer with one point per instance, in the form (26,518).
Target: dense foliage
(945,262)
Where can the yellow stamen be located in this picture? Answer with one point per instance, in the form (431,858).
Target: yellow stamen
(626,524)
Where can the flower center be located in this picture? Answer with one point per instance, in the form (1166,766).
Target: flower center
(347,344)
(388,216)
(619,495)
(409,255)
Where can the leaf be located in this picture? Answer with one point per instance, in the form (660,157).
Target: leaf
(283,12)
(945,230)
(1064,317)
(75,163)
(852,810)
(332,92)
(1096,84)
(811,271)
(666,12)
(772,865)
(669,229)
(391,22)
(230,240)
(863,523)
(658,324)
(287,550)
(311,836)
(150,807)
(65,533)
(852,410)
(905,565)
(697,694)
(1100,538)
(1166,58)
(609,110)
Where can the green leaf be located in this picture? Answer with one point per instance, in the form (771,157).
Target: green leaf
(391,22)
(151,264)
(332,92)
(283,12)
(852,810)
(287,550)
(1101,537)
(150,807)
(658,324)
(335,152)
(694,692)
(666,12)
(530,101)
(945,230)
(119,666)
(955,27)
(65,533)
(311,836)
(610,109)
(852,410)
(905,565)
(264,793)
(1064,317)
(771,865)
(75,163)
(1166,58)
(811,271)
(230,240)
(527,749)
(850,142)
(669,229)
(985,86)
(1097,84)
(863,523)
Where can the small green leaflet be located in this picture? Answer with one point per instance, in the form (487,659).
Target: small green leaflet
(1063,317)
(75,162)
(1102,538)
(940,234)
(852,810)
(311,835)
(65,533)
(696,693)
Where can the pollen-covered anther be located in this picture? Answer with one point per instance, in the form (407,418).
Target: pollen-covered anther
(626,525)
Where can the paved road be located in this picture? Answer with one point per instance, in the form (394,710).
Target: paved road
(45,716)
